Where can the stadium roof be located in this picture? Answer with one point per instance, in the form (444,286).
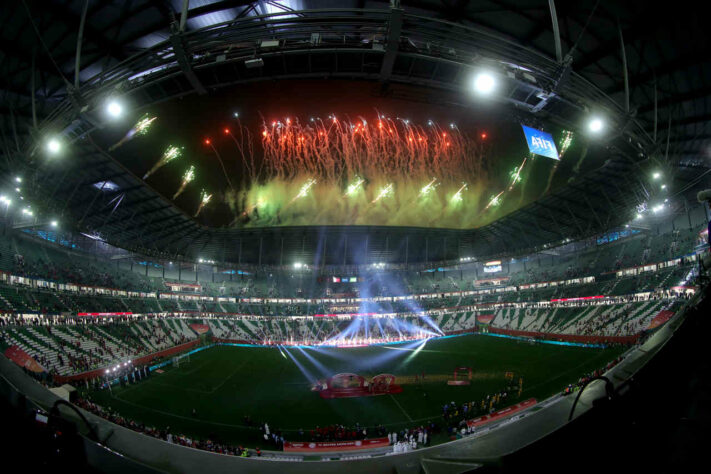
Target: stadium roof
(654,92)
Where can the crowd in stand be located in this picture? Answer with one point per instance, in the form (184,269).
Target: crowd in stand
(80,347)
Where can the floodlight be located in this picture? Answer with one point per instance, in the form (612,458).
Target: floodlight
(18,179)
(114,109)
(657,175)
(53,146)
(54,223)
(596,125)
(484,83)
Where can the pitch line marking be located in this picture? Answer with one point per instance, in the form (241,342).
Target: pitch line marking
(189,418)
(401,408)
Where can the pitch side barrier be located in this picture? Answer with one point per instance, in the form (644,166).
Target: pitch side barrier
(489,443)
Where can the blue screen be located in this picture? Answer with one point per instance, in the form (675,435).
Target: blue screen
(540,143)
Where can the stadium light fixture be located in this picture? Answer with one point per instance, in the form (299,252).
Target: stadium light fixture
(18,190)
(484,83)
(114,109)
(298,265)
(54,223)
(657,175)
(638,216)
(54,146)
(235,114)
(596,125)
(664,186)
(18,179)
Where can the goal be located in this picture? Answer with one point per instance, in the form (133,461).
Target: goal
(462,376)
(179,360)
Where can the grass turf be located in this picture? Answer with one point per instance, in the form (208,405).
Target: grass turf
(225,383)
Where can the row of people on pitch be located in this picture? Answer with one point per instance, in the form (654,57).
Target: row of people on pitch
(488,404)
(420,436)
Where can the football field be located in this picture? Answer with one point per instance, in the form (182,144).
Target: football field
(223,384)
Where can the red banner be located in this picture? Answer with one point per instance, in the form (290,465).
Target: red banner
(485,318)
(329,446)
(105,314)
(497,415)
(585,339)
(661,318)
(23,359)
(200,328)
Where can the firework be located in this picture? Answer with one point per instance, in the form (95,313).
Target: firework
(334,150)
(384,191)
(515,175)
(494,201)
(428,188)
(208,142)
(304,190)
(204,199)
(354,187)
(187,178)
(171,153)
(565,142)
(458,195)
(140,128)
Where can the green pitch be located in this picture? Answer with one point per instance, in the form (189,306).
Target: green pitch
(225,383)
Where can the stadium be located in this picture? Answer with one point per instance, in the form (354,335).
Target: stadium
(353,236)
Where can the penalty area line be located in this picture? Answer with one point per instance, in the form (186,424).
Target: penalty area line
(401,408)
